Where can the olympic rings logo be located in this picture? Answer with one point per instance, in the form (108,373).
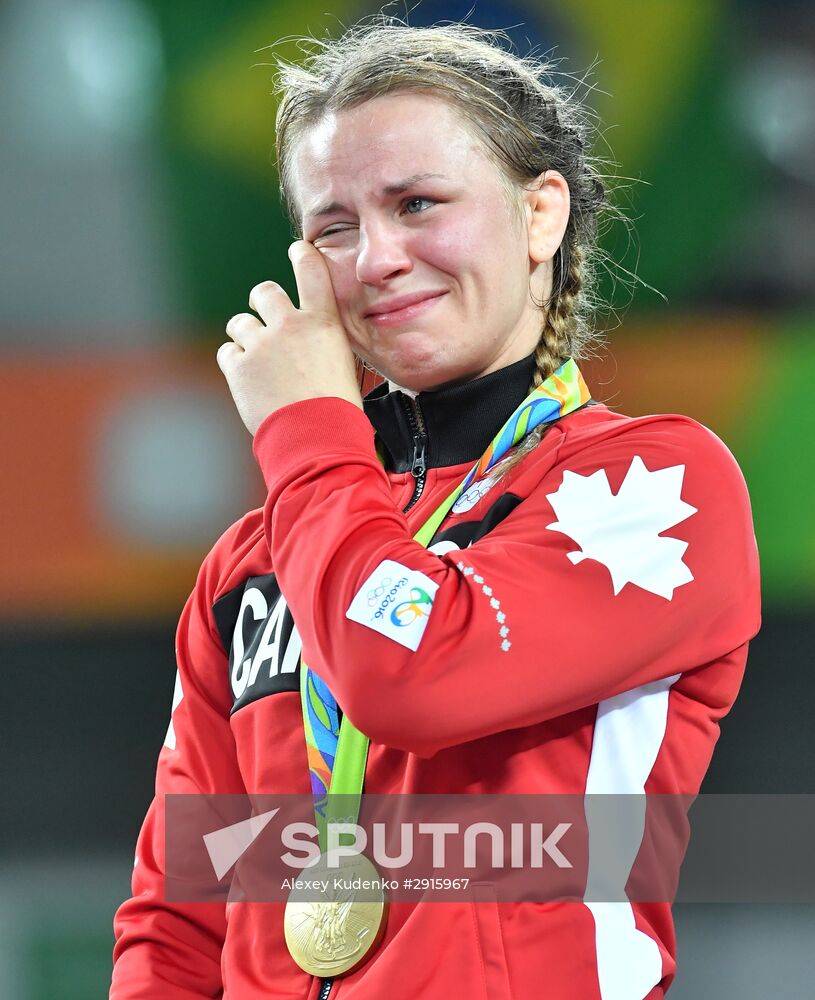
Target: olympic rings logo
(418,605)
(374,595)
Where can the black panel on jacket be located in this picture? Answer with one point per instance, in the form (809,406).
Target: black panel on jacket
(257,629)
(464,533)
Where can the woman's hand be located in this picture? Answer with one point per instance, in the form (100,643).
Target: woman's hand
(299,354)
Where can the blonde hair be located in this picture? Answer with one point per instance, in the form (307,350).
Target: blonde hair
(511,104)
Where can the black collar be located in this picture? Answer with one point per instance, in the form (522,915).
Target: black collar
(459,421)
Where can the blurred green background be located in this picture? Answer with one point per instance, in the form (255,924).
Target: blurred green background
(140,206)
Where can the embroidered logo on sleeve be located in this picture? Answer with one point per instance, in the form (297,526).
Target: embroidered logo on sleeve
(395,601)
(623,532)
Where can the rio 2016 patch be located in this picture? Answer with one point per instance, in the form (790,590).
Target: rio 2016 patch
(395,601)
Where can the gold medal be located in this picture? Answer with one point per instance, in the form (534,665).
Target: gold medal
(335,916)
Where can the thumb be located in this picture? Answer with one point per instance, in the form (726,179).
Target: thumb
(314,288)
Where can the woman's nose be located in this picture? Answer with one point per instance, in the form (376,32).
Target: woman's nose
(382,254)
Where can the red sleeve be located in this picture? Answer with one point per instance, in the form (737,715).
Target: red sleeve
(169,949)
(632,559)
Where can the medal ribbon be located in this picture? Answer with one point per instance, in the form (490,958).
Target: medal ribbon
(337,753)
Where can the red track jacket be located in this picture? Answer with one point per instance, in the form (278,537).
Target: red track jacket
(588,631)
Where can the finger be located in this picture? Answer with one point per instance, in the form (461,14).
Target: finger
(314,288)
(227,353)
(268,298)
(241,327)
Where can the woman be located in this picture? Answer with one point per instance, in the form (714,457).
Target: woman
(507,587)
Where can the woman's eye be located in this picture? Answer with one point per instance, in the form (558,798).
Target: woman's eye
(413,201)
(407,206)
(329,232)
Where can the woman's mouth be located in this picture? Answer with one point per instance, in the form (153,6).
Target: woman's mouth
(394,317)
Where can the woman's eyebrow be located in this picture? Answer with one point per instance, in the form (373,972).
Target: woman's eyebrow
(391,189)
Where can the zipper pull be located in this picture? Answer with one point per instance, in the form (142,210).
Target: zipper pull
(419,467)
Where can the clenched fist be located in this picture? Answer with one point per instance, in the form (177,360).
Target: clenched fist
(299,354)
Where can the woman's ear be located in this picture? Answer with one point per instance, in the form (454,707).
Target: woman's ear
(547,206)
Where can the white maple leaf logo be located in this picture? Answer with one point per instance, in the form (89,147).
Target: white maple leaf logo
(623,532)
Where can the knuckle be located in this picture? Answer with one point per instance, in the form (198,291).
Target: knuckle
(263,290)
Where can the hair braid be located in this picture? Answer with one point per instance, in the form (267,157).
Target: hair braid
(559,340)
(561,318)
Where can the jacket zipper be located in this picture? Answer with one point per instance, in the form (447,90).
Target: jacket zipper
(419,459)
(418,470)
